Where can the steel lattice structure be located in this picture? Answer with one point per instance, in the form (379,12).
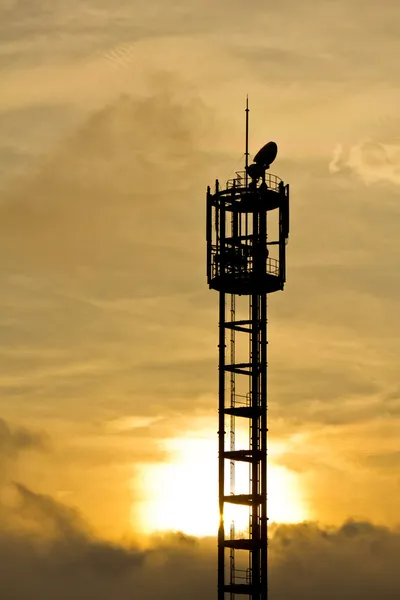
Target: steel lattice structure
(245,263)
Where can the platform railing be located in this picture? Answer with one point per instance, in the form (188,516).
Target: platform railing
(239,181)
(243,269)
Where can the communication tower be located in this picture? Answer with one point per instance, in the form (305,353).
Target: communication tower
(247,232)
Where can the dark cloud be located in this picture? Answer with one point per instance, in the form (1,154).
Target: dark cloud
(61,558)
(357,560)
(57,521)
(47,550)
(16,446)
(14,440)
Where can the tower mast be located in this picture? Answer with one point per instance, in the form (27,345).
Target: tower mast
(247,140)
(244,265)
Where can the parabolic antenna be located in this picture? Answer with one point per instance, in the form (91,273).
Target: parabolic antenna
(266,155)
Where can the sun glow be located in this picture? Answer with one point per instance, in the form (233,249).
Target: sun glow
(181,495)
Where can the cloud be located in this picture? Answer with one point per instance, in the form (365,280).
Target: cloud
(129,161)
(110,227)
(60,558)
(344,468)
(356,560)
(19,439)
(45,517)
(370,160)
(334,165)
(47,549)
(104,253)
(384,461)
(18,446)
(128,423)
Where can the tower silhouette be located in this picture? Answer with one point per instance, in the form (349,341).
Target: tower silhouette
(247,232)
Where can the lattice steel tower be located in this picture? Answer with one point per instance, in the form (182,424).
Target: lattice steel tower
(247,233)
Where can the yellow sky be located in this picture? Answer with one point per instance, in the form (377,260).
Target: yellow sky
(113,120)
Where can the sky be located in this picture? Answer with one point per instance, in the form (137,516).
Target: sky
(114,118)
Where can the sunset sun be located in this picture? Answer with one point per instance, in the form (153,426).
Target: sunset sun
(181,494)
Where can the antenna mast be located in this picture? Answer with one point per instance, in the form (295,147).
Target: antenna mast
(247,139)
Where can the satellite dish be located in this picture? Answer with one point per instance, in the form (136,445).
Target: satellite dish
(255,171)
(266,155)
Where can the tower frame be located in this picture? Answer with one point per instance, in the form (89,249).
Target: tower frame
(243,261)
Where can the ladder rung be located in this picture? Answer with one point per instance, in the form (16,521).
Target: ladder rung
(242,455)
(243,368)
(243,411)
(244,544)
(243,499)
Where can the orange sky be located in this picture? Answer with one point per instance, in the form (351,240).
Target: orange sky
(113,120)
